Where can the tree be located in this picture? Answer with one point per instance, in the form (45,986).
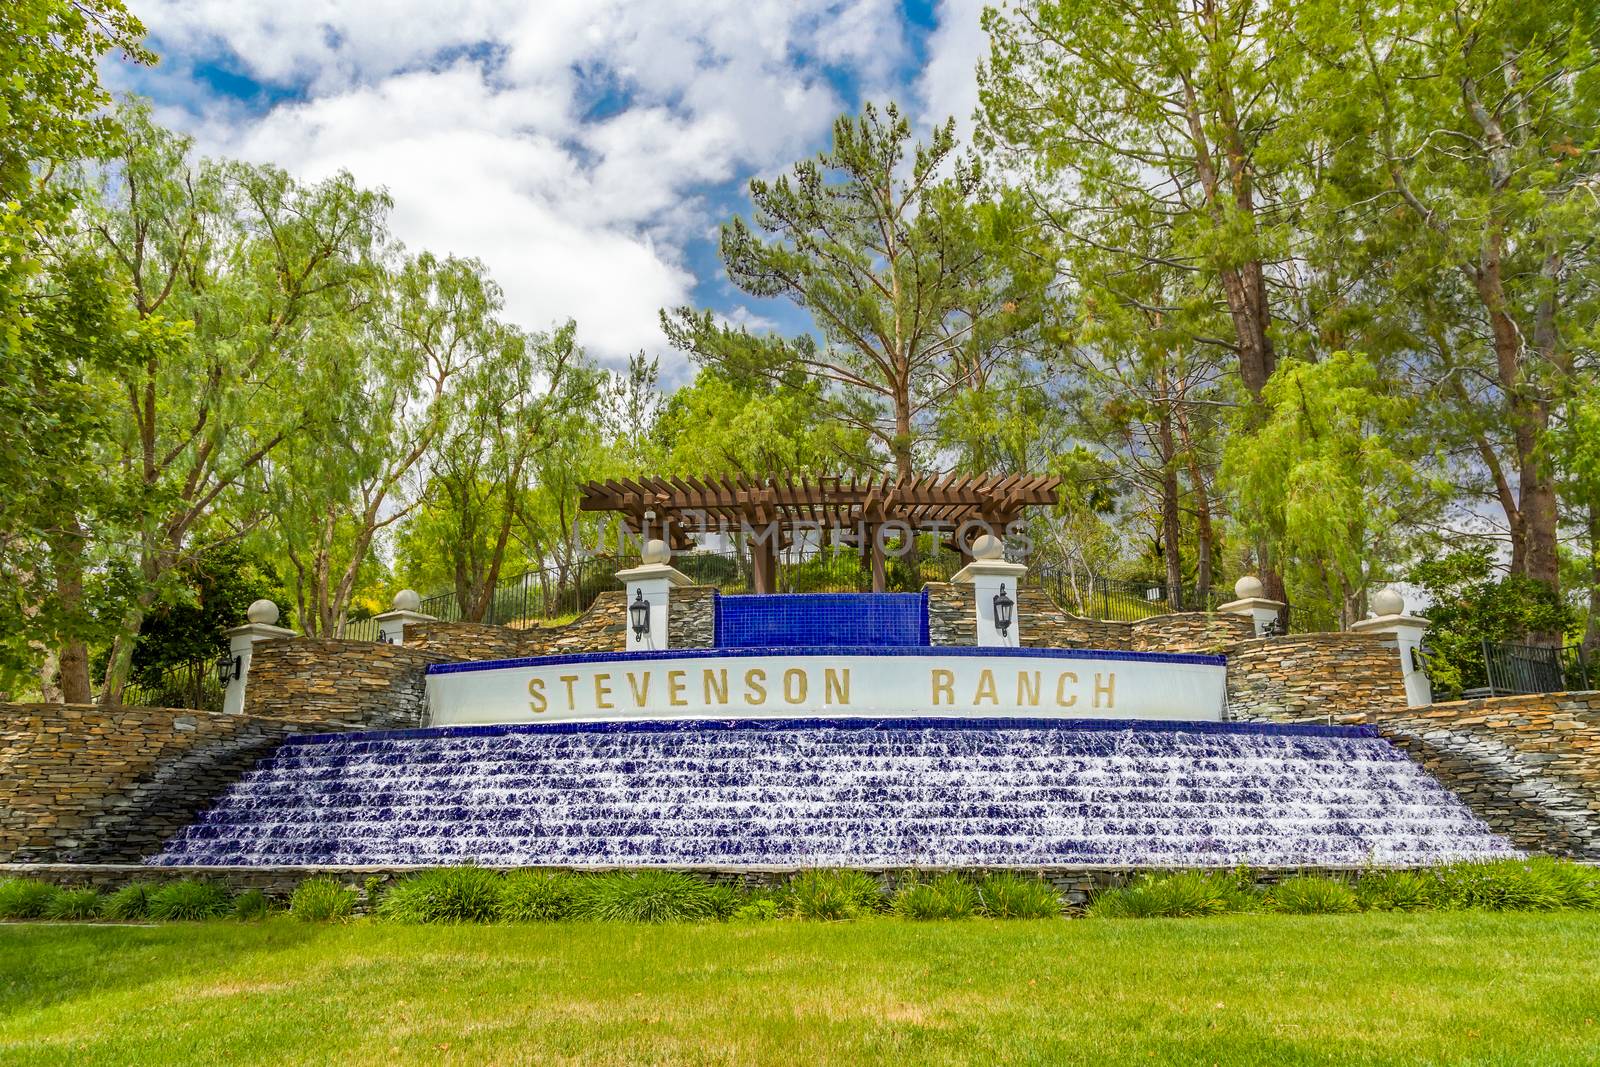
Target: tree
(1478,121)
(255,263)
(1330,476)
(914,285)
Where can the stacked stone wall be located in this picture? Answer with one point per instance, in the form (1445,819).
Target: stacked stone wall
(361,684)
(1313,677)
(92,783)
(465,640)
(1190,631)
(692,617)
(1529,766)
(952,621)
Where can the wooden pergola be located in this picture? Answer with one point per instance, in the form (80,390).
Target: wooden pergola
(769,511)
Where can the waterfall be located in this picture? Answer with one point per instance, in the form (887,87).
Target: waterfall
(839,792)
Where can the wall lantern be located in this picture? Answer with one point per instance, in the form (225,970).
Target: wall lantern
(639,610)
(1002,611)
(229,667)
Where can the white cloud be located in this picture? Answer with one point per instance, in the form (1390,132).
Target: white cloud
(569,144)
(949,84)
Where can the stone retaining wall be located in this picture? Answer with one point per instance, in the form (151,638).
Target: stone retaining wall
(1076,884)
(692,617)
(1313,677)
(86,782)
(362,684)
(1529,766)
(465,640)
(1190,631)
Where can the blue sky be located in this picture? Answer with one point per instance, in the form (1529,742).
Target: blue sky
(586,150)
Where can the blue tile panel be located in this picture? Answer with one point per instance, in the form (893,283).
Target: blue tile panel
(941,652)
(785,620)
(839,792)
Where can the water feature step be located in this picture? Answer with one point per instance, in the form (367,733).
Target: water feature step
(957,792)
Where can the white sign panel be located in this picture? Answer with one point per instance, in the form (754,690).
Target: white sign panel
(767,686)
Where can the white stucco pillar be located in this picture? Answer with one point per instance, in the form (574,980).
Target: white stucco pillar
(993,578)
(392,623)
(1262,613)
(650,584)
(1390,617)
(263,616)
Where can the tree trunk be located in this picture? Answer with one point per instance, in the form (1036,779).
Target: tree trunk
(1171,528)
(72,664)
(1591,632)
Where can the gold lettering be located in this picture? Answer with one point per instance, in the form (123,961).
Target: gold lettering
(602,692)
(1027,689)
(986,688)
(944,686)
(836,686)
(536,691)
(1107,687)
(715,681)
(795,684)
(572,699)
(675,687)
(755,682)
(1061,690)
(641,693)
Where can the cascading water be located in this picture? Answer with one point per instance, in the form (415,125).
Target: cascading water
(839,792)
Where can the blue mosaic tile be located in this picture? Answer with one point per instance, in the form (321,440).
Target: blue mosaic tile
(788,620)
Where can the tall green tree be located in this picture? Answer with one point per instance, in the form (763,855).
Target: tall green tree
(914,282)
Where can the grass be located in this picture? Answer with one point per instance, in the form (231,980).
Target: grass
(1457,987)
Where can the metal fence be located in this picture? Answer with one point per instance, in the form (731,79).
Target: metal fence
(186,685)
(1513,668)
(1124,600)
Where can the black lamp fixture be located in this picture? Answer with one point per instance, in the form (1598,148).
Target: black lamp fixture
(229,667)
(1002,611)
(639,611)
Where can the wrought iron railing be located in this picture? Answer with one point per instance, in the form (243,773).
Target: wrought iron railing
(1513,668)
(186,685)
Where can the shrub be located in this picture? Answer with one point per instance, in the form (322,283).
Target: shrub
(755,910)
(1579,884)
(537,896)
(1175,896)
(1312,895)
(24,898)
(1395,891)
(948,896)
(321,900)
(833,895)
(130,902)
(74,904)
(1012,896)
(649,896)
(189,900)
(445,895)
(250,905)
(1501,885)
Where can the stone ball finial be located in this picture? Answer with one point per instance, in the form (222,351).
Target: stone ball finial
(263,612)
(1248,588)
(407,600)
(655,550)
(1388,601)
(988,546)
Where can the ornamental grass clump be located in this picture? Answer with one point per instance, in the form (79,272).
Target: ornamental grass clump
(1186,894)
(251,905)
(1395,891)
(832,896)
(650,896)
(1310,895)
(949,896)
(1501,885)
(128,904)
(74,904)
(537,897)
(1012,896)
(445,895)
(322,900)
(190,900)
(25,898)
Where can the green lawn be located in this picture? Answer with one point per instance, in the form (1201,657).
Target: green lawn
(1257,989)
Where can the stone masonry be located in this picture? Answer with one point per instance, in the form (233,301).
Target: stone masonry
(86,783)
(1313,677)
(361,684)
